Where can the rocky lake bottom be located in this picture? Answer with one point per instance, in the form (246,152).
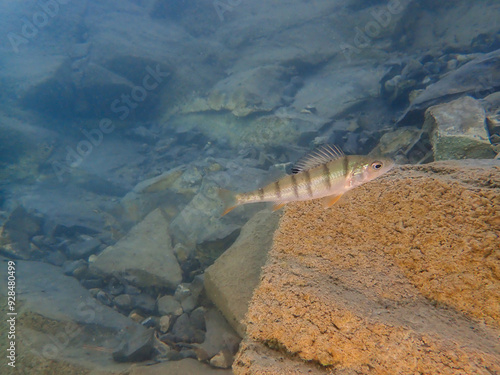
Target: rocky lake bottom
(114,141)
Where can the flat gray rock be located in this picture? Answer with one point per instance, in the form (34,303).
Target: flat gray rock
(144,257)
(44,289)
(59,320)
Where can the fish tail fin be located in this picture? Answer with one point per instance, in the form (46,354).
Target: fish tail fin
(229,199)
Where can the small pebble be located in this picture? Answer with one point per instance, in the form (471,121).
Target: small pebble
(150,322)
(168,305)
(223,359)
(136,316)
(165,321)
(104,298)
(123,302)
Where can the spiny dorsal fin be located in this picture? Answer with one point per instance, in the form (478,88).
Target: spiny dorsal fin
(317,157)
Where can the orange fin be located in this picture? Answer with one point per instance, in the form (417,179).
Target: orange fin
(277,206)
(228,210)
(331,200)
(229,200)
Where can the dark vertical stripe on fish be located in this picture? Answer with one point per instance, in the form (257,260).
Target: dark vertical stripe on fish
(261,194)
(346,165)
(294,185)
(307,175)
(326,176)
(278,189)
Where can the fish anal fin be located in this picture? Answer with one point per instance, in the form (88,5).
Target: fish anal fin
(229,200)
(330,200)
(277,206)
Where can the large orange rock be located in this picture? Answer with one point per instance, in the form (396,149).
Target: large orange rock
(402,276)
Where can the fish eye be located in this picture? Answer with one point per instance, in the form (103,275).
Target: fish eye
(377,165)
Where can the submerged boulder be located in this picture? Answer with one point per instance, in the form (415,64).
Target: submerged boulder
(150,193)
(200,222)
(401,276)
(200,219)
(477,77)
(136,348)
(144,256)
(60,322)
(458,130)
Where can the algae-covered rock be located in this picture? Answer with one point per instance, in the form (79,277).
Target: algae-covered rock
(260,131)
(16,234)
(270,131)
(399,144)
(401,276)
(458,130)
(144,256)
(255,90)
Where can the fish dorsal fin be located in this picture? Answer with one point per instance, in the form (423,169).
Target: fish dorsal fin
(317,157)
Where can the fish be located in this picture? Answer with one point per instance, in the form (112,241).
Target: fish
(325,173)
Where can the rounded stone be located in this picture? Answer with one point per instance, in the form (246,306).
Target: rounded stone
(168,305)
(165,321)
(123,302)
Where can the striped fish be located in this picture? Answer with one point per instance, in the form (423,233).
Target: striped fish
(325,173)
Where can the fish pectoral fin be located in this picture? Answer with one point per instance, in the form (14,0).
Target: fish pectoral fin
(228,210)
(277,206)
(330,200)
